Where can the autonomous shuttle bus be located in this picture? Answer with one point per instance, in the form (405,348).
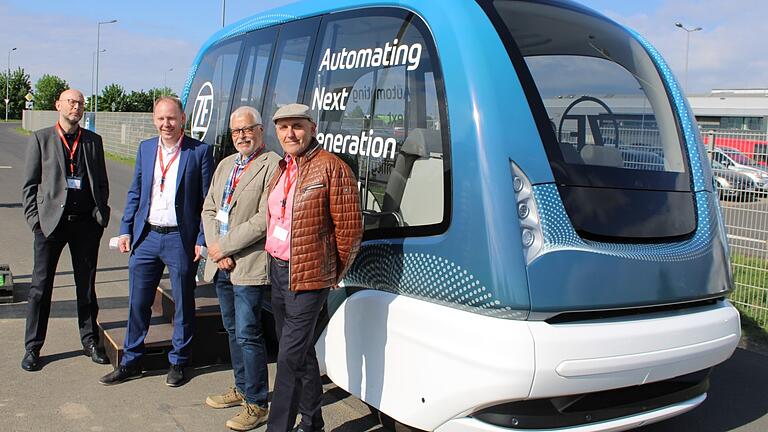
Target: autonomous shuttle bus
(543,244)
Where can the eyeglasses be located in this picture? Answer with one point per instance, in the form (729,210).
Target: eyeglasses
(246,130)
(74,102)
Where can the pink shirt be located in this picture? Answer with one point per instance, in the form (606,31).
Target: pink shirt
(278,227)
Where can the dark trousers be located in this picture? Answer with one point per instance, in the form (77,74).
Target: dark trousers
(241,315)
(83,238)
(297,382)
(148,260)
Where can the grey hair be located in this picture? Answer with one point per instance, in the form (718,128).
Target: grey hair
(246,109)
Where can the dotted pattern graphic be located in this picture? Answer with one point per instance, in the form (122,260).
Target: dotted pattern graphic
(386,267)
(692,137)
(253,23)
(560,235)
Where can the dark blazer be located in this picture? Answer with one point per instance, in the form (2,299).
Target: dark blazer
(44,191)
(192,182)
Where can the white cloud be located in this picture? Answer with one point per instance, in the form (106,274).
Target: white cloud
(730,51)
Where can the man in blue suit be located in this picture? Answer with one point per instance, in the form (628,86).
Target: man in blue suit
(161,225)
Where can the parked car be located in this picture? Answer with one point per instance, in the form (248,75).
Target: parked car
(735,160)
(732,185)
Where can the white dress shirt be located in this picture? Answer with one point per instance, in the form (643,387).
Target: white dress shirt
(162,206)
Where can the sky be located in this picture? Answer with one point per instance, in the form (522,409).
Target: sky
(154,42)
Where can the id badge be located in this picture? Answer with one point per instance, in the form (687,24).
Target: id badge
(222,216)
(74,182)
(280,233)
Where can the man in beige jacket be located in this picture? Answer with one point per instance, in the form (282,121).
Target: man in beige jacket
(235,223)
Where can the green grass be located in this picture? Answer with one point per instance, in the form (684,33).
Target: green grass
(22,131)
(119,158)
(750,277)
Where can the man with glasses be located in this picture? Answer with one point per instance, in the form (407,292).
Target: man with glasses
(235,223)
(65,193)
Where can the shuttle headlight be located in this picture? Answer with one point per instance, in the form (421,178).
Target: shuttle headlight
(530,225)
(528,238)
(517,184)
(523,210)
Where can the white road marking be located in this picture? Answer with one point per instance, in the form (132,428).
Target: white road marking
(5,167)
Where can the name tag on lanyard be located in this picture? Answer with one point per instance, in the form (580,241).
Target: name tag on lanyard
(280,233)
(74,182)
(222,216)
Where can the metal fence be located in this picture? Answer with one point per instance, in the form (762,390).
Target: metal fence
(740,166)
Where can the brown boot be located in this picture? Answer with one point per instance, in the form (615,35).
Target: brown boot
(251,417)
(229,399)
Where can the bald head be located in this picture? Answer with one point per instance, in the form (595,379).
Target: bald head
(70,106)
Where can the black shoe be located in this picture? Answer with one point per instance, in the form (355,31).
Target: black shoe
(176,376)
(31,361)
(96,354)
(301,429)
(121,374)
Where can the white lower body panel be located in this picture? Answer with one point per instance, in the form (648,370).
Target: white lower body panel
(430,366)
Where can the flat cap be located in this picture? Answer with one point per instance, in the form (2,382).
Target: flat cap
(293,110)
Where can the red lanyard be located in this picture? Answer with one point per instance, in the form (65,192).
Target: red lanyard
(237,174)
(164,169)
(286,187)
(66,145)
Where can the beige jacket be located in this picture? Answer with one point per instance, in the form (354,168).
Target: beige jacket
(247,219)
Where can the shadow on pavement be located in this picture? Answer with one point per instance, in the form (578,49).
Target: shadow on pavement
(736,397)
(46,359)
(59,309)
(70,272)
(360,424)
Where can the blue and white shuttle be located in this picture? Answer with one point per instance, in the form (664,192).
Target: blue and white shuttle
(543,245)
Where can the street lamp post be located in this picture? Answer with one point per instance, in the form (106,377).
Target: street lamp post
(223,11)
(688,32)
(8,84)
(93,62)
(98,38)
(165,80)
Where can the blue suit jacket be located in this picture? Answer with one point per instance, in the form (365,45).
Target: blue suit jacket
(192,182)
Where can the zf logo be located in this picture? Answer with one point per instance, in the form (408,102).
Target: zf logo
(201,115)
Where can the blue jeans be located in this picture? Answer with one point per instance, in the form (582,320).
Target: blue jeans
(241,315)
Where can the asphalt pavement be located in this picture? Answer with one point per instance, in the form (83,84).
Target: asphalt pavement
(66,396)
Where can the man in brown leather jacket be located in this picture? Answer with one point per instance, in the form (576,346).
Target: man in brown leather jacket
(313,235)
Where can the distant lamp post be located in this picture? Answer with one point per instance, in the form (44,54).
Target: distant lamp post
(165,80)
(688,32)
(98,40)
(8,84)
(93,62)
(223,11)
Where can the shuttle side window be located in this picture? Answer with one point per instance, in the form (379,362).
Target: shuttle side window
(374,87)
(288,73)
(251,84)
(210,96)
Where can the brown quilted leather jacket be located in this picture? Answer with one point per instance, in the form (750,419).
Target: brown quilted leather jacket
(326,224)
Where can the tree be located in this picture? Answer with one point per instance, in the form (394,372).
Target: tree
(139,101)
(20,85)
(161,91)
(112,96)
(47,91)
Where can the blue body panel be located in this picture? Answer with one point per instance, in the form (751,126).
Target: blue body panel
(478,263)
